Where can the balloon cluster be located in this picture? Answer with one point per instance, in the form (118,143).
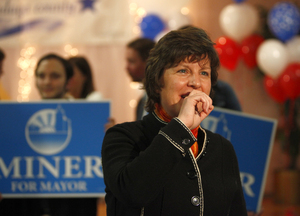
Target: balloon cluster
(153,27)
(238,21)
(279,59)
(230,51)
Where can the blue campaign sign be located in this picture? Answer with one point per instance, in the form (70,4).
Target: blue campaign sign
(52,148)
(252,138)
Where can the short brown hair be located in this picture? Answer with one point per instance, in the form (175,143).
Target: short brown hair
(142,46)
(189,43)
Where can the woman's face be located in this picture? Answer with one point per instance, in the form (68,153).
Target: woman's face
(178,82)
(51,79)
(76,82)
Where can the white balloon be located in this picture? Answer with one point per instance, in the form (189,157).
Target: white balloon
(238,20)
(293,48)
(272,57)
(178,20)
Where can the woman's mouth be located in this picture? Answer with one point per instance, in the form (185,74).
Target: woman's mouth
(185,95)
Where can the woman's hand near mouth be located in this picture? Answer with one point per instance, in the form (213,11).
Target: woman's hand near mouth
(195,107)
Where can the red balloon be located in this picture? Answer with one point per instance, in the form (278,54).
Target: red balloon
(229,52)
(274,90)
(289,80)
(249,48)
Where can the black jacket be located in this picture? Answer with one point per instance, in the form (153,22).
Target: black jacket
(149,169)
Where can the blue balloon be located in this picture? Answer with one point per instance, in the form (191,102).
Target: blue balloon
(151,26)
(284,21)
(239,1)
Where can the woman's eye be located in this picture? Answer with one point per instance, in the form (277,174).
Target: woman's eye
(204,73)
(182,71)
(55,76)
(41,76)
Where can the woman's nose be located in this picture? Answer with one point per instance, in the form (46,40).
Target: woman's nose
(47,80)
(194,81)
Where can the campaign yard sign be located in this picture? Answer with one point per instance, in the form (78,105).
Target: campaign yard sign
(52,149)
(252,138)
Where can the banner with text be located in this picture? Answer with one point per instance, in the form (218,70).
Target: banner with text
(52,149)
(58,22)
(252,138)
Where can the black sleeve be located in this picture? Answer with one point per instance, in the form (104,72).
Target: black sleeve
(136,177)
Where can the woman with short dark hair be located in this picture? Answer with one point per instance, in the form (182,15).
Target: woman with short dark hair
(166,164)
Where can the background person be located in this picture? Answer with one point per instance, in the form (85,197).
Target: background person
(166,164)
(51,77)
(2,57)
(52,74)
(137,53)
(3,93)
(81,85)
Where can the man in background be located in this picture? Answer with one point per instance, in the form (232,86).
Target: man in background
(137,53)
